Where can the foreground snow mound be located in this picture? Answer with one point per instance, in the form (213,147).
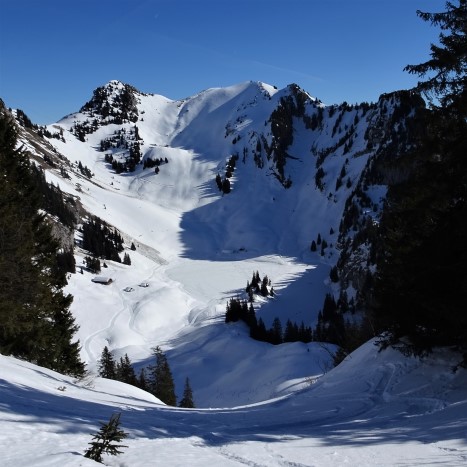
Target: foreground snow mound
(374,409)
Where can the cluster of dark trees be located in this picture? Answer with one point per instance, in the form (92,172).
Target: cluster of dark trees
(259,286)
(84,170)
(24,120)
(224,183)
(92,264)
(321,243)
(257,152)
(156,379)
(42,131)
(81,129)
(282,131)
(127,140)
(35,321)
(242,310)
(290,107)
(53,200)
(127,165)
(100,240)
(122,109)
(239,310)
(150,163)
(330,326)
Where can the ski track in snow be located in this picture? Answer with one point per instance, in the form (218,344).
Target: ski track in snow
(87,343)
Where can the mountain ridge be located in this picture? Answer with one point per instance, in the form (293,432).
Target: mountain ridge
(298,171)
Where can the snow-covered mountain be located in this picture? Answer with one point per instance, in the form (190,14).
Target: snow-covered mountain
(209,190)
(297,172)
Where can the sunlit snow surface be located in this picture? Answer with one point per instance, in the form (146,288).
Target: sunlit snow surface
(375,409)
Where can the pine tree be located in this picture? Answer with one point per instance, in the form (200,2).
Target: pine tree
(304,333)
(420,291)
(250,318)
(275,333)
(226,186)
(219,182)
(259,333)
(106,440)
(107,366)
(448,63)
(334,274)
(187,399)
(142,383)
(264,287)
(125,372)
(291,332)
(161,382)
(127,259)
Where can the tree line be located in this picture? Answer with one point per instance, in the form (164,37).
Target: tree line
(156,379)
(238,309)
(35,321)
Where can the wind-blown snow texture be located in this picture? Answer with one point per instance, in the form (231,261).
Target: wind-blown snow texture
(258,404)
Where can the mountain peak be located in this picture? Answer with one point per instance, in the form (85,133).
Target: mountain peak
(115,102)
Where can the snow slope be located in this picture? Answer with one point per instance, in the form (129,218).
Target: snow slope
(375,409)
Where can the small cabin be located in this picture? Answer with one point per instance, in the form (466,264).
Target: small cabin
(102,280)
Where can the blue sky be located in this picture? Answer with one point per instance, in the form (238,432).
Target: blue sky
(53,54)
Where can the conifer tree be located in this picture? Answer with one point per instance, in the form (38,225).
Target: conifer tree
(187,399)
(259,332)
(250,317)
(125,372)
(334,274)
(264,287)
(127,259)
(291,332)
(107,366)
(142,383)
(106,440)
(226,186)
(448,64)
(161,382)
(275,333)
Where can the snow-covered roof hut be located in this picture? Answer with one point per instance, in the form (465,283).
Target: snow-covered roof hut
(102,280)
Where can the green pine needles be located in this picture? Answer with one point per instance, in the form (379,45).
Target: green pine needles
(106,440)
